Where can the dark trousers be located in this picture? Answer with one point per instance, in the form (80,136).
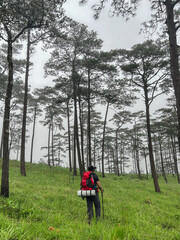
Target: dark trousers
(90,201)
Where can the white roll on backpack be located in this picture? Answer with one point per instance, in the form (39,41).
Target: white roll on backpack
(86,193)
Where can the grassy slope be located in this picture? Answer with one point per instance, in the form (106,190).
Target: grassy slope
(44,205)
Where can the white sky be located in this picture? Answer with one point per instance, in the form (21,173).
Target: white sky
(114,31)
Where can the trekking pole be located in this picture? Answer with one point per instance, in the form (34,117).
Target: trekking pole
(102,204)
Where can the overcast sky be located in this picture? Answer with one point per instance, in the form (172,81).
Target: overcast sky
(114,31)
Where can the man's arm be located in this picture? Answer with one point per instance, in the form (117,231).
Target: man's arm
(99,186)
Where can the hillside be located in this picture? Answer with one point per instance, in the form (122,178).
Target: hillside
(44,205)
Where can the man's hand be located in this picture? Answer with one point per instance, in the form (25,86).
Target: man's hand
(99,186)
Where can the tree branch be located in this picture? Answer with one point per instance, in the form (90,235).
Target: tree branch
(175,2)
(157,96)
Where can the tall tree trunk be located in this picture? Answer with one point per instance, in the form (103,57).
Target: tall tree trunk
(121,161)
(5,163)
(10,140)
(49,139)
(137,160)
(117,160)
(162,160)
(145,163)
(109,161)
(89,118)
(175,159)
(94,157)
(17,153)
(136,143)
(33,133)
(174,54)
(103,139)
(1,147)
(69,136)
(78,148)
(74,151)
(151,157)
(82,133)
(75,120)
(134,156)
(23,136)
(76,135)
(52,139)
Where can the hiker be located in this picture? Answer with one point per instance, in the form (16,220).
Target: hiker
(94,199)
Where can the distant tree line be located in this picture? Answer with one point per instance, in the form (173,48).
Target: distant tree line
(86,79)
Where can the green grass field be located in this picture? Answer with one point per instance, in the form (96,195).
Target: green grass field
(44,205)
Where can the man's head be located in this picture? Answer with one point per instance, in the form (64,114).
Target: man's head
(91,168)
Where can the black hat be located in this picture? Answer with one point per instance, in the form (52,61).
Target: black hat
(91,168)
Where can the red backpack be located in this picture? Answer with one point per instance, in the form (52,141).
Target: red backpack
(87,182)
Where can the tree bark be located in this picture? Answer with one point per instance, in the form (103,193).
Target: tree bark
(5,163)
(76,135)
(174,53)
(145,163)
(49,134)
(162,160)
(175,159)
(103,139)
(23,136)
(1,147)
(137,160)
(74,151)
(89,118)
(82,133)
(117,160)
(33,133)
(52,139)
(151,157)
(69,136)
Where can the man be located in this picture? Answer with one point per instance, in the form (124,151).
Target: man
(94,199)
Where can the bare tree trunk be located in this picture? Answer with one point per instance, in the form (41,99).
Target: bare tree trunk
(117,160)
(59,153)
(89,119)
(103,139)
(174,54)
(76,135)
(137,161)
(49,138)
(170,158)
(33,133)
(1,147)
(5,163)
(69,136)
(82,133)
(74,152)
(175,159)
(134,156)
(23,136)
(145,162)
(151,157)
(121,161)
(52,139)
(10,140)
(94,157)
(162,160)
(108,161)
